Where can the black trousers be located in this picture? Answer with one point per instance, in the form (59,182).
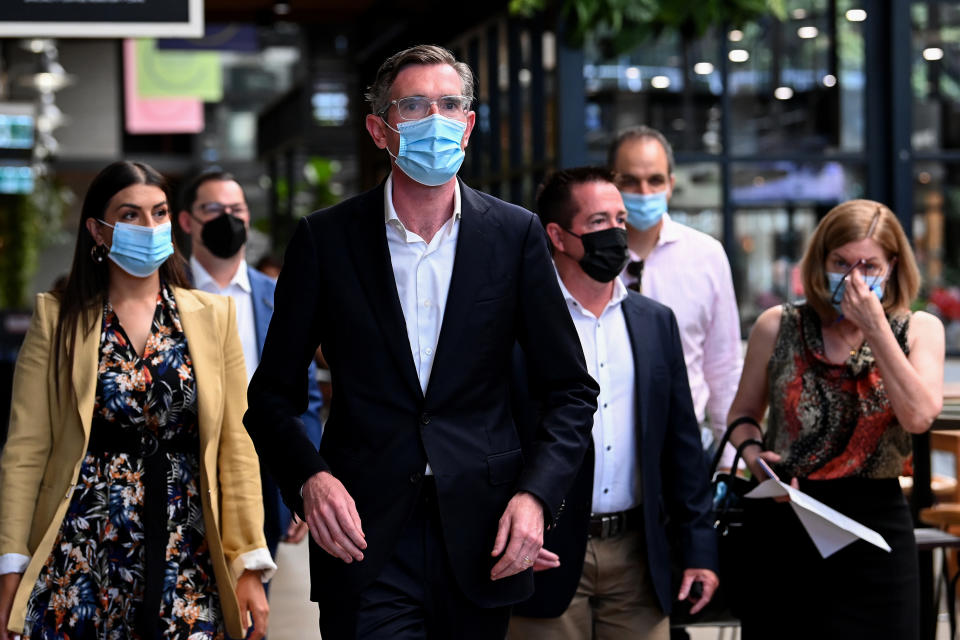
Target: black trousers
(416,596)
(860,591)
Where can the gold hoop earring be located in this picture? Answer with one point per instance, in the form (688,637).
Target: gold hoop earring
(98,253)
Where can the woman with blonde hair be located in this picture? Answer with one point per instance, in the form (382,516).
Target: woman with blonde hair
(848,376)
(130,499)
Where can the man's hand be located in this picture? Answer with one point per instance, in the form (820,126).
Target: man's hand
(253,600)
(332,516)
(9,583)
(519,536)
(546,560)
(708,579)
(296,530)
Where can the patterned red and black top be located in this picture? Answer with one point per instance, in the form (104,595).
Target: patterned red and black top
(831,420)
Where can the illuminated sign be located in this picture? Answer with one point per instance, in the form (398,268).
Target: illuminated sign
(101,19)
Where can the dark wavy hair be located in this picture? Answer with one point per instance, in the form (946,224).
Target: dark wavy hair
(88,282)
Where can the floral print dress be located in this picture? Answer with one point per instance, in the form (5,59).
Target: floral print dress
(131,560)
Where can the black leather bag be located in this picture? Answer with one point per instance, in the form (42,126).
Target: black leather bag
(731,519)
(728,517)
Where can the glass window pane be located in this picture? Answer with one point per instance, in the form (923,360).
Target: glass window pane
(667,84)
(777,205)
(696,200)
(936,219)
(797,85)
(765,258)
(935,78)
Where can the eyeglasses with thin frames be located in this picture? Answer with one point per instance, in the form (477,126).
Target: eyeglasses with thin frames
(218,208)
(418,107)
(836,297)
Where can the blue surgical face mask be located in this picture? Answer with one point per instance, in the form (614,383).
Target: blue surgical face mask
(644,211)
(430,150)
(140,250)
(838,285)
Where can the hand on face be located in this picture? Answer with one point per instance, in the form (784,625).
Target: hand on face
(859,304)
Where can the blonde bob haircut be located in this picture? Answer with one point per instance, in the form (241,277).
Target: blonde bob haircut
(849,222)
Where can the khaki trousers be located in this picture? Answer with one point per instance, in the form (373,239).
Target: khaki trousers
(615,599)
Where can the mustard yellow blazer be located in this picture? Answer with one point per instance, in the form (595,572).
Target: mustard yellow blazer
(50,428)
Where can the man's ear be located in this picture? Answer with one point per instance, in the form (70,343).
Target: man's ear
(555,233)
(186,222)
(471,121)
(375,127)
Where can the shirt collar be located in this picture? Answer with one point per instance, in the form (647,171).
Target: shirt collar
(203,280)
(669,231)
(390,213)
(619,293)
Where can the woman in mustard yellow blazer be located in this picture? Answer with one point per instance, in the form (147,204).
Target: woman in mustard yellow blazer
(130,502)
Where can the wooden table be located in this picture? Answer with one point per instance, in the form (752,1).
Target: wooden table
(922,497)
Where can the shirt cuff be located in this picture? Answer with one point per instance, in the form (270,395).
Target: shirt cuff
(13,563)
(256,560)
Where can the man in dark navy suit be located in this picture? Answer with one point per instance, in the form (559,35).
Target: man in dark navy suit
(604,570)
(215,215)
(425,514)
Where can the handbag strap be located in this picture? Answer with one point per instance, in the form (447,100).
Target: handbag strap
(739,454)
(726,438)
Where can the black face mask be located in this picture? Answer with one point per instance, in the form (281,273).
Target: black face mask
(224,235)
(605,253)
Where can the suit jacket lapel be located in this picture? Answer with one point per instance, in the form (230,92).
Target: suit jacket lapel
(368,243)
(640,343)
(262,308)
(203,338)
(85,358)
(474,252)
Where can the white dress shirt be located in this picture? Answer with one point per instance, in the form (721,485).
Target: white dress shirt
(422,272)
(687,270)
(239,289)
(609,355)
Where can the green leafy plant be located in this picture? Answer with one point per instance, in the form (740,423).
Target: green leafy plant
(28,223)
(619,25)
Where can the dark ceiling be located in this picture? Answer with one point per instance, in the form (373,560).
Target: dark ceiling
(331,12)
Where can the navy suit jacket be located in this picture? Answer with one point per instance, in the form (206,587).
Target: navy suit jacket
(337,290)
(276,513)
(674,484)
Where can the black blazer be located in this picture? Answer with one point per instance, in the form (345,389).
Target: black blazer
(674,484)
(337,290)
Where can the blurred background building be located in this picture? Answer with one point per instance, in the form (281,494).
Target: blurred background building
(774,119)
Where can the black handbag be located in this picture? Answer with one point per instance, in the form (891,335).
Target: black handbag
(728,487)
(728,516)
(731,517)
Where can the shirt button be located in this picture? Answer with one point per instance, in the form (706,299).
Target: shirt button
(604,405)
(428,351)
(601,365)
(608,447)
(606,490)
(426,303)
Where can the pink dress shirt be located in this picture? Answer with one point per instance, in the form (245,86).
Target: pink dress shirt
(688,271)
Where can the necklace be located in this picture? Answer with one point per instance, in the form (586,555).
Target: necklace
(853,347)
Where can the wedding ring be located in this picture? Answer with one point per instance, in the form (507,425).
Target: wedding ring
(527,560)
